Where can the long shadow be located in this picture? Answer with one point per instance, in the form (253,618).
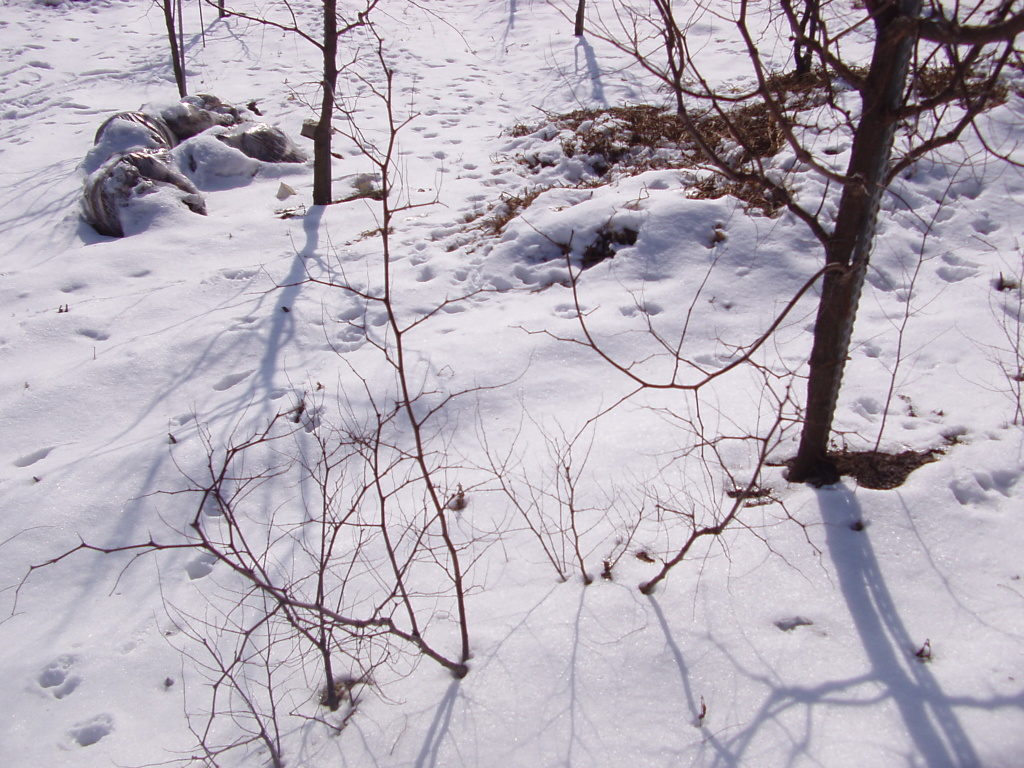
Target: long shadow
(281,332)
(895,673)
(722,753)
(593,70)
(427,758)
(511,25)
(282,325)
(926,711)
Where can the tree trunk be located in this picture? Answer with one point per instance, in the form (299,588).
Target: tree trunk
(580,12)
(849,248)
(809,23)
(322,135)
(176,52)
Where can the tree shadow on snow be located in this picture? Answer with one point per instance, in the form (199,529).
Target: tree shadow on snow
(593,70)
(906,680)
(438,730)
(895,672)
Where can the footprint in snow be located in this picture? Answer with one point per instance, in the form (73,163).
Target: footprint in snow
(978,486)
(566,311)
(87,733)
(348,339)
(56,677)
(984,225)
(94,333)
(788,625)
(200,567)
(31,458)
(647,308)
(956,269)
(238,274)
(231,380)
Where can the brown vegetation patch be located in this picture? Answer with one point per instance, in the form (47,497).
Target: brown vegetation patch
(621,131)
(947,83)
(750,125)
(756,196)
(639,137)
(509,206)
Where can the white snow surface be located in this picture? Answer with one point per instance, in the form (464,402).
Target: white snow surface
(124,362)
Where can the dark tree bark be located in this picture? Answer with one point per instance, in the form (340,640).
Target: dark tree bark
(887,100)
(324,130)
(177,51)
(808,28)
(581,10)
(849,248)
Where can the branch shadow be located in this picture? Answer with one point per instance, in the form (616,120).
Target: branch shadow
(439,727)
(593,70)
(721,751)
(282,328)
(927,715)
(926,711)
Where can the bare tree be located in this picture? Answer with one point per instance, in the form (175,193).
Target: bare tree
(581,17)
(172,12)
(327,538)
(336,23)
(931,72)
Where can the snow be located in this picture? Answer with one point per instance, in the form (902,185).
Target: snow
(124,362)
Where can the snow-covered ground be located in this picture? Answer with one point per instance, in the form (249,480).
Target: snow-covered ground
(790,640)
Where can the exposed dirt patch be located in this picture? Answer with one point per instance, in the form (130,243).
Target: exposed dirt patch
(604,245)
(880,470)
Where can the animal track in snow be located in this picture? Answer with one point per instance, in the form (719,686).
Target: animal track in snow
(238,274)
(94,333)
(956,269)
(244,323)
(231,380)
(566,311)
(426,275)
(200,567)
(1001,480)
(31,458)
(56,677)
(348,339)
(87,733)
(867,407)
(977,486)
(984,225)
(73,286)
(648,308)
